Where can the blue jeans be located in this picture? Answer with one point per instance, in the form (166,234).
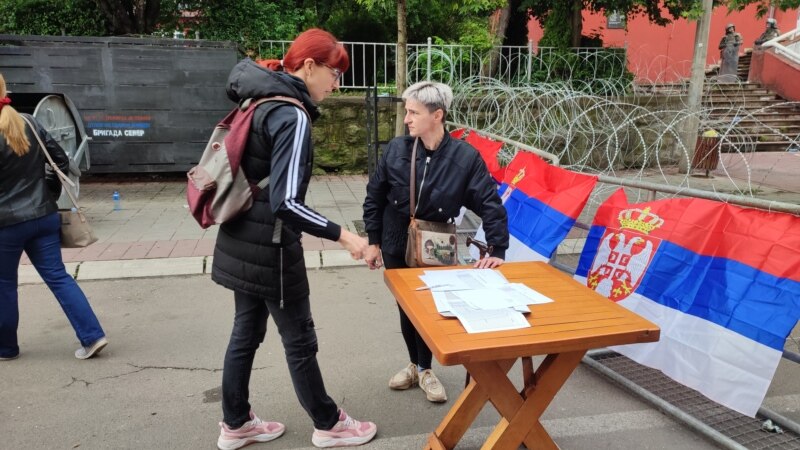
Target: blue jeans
(41,240)
(299,339)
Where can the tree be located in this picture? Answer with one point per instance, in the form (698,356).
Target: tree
(763,5)
(130,16)
(456,6)
(51,17)
(563,23)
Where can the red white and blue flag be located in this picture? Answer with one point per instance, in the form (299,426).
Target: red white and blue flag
(488,148)
(543,202)
(722,282)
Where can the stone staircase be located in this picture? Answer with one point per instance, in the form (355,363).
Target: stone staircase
(752,117)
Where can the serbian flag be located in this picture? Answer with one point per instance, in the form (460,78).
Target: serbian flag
(458,133)
(543,202)
(722,282)
(488,149)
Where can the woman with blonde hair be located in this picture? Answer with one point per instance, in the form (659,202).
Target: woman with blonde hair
(29,222)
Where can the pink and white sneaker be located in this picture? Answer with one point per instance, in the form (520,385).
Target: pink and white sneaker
(254,430)
(347,432)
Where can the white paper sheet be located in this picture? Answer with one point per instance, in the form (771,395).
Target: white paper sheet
(460,279)
(485,320)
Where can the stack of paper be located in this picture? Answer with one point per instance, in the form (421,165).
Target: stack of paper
(482,299)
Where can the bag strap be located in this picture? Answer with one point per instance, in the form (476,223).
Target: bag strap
(61,177)
(275,98)
(247,103)
(412,187)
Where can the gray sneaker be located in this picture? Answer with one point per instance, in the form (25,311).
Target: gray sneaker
(88,352)
(432,387)
(405,378)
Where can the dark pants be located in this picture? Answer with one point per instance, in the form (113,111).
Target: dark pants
(41,240)
(296,328)
(418,351)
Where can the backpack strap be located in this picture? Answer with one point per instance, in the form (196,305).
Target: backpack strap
(248,102)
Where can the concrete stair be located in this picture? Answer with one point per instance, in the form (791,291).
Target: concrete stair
(747,113)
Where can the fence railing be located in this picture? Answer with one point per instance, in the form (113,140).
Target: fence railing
(787,44)
(374,63)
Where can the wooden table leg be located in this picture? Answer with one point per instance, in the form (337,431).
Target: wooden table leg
(464,411)
(520,423)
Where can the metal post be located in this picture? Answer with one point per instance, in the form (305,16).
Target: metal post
(530,59)
(430,50)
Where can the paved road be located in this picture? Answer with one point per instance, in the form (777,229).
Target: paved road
(156,386)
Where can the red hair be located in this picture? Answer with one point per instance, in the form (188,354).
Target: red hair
(316,44)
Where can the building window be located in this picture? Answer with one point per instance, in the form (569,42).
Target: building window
(615,20)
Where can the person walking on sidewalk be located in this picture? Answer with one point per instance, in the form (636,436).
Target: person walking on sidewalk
(259,255)
(453,175)
(29,222)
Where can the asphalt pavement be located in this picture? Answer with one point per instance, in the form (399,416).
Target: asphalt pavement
(156,386)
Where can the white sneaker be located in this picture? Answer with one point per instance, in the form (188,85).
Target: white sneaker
(432,387)
(404,379)
(88,352)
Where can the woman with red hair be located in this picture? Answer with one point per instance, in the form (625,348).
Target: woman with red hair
(259,255)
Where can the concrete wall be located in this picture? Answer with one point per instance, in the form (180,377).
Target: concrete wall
(775,72)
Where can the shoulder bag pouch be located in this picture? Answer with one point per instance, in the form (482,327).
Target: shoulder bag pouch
(429,243)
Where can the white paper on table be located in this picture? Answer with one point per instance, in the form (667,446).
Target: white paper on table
(444,301)
(459,279)
(534,297)
(485,320)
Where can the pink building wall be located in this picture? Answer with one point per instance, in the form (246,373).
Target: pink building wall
(665,53)
(776,72)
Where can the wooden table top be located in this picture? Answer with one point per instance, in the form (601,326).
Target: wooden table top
(577,319)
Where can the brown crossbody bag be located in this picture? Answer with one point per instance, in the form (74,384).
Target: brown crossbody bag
(429,243)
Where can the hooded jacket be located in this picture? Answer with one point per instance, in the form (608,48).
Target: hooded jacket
(247,257)
(452,176)
(23,191)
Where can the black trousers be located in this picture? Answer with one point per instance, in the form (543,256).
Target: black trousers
(418,351)
(296,328)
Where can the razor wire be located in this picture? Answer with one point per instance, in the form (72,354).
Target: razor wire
(610,126)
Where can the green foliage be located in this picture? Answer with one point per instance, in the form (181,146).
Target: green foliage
(583,70)
(51,17)
(762,6)
(248,22)
(557,30)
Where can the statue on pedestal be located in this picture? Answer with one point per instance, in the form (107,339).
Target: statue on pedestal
(729,53)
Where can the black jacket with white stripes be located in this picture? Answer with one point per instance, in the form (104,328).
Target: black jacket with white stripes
(247,256)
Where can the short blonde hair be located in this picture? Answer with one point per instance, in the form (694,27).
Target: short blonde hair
(431,94)
(12,126)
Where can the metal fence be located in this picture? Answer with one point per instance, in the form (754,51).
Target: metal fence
(374,63)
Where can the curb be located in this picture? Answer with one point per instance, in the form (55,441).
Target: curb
(165,267)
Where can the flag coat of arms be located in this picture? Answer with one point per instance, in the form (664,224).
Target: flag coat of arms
(543,202)
(721,281)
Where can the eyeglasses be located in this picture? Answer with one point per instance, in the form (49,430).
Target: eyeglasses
(337,74)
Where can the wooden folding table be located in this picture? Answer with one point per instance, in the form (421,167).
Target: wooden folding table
(578,320)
